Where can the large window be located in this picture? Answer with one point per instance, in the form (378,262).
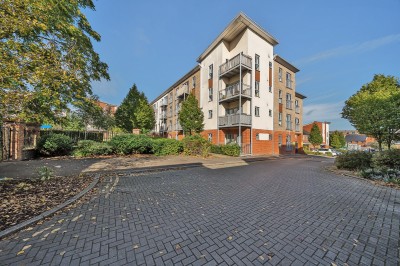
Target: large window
(257,89)
(229,138)
(210,94)
(210,71)
(288,101)
(288,122)
(288,80)
(297,124)
(288,143)
(257,61)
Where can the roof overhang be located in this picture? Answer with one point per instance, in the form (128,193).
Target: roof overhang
(299,95)
(237,25)
(186,76)
(285,63)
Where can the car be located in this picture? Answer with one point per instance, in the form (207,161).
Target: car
(324,151)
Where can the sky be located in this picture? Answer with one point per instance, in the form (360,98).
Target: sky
(338,45)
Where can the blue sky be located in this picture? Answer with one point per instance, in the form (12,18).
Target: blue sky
(337,45)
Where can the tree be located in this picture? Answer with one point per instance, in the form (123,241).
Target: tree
(315,135)
(374,109)
(191,117)
(135,112)
(47,58)
(88,114)
(337,140)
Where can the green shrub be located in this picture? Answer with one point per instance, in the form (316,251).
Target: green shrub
(389,159)
(231,149)
(196,145)
(216,149)
(131,144)
(356,160)
(45,173)
(92,148)
(329,154)
(166,146)
(54,145)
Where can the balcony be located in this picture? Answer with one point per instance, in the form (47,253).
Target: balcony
(232,66)
(163,115)
(232,92)
(234,120)
(182,92)
(164,102)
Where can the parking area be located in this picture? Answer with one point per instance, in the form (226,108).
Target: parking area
(288,212)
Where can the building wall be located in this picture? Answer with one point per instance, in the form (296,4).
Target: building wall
(323,127)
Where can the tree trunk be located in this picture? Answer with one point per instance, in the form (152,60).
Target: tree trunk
(380,145)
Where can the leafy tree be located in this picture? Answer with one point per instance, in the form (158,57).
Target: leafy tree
(374,109)
(135,112)
(47,58)
(191,117)
(315,135)
(337,140)
(88,113)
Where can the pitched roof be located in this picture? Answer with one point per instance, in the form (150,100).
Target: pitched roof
(237,25)
(355,138)
(285,63)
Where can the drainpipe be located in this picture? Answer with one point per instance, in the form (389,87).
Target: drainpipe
(240,102)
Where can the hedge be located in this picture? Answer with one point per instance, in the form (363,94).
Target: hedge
(55,145)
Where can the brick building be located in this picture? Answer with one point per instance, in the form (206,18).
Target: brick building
(323,128)
(236,83)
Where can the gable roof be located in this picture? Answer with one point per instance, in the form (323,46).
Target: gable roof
(285,63)
(355,138)
(236,26)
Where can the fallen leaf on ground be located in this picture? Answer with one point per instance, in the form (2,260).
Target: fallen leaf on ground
(261,258)
(135,246)
(230,238)
(62,253)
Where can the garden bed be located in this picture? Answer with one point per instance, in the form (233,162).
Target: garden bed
(21,200)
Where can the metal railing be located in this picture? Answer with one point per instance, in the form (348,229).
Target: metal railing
(234,120)
(182,91)
(235,62)
(233,90)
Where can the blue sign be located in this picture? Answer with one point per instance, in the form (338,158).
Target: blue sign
(45,126)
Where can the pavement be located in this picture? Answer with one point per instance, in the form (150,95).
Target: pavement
(68,166)
(276,212)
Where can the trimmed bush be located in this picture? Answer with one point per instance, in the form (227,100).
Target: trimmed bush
(216,149)
(55,145)
(389,159)
(166,146)
(92,148)
(196,146)
(356,160)
(131,144)
(231,149)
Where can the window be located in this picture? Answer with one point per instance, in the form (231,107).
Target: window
(210,114)
(210,137)
(257,111)
(231,111)
(170,110)
(210,94)
(193,82)
(288,122)
(296,106)
(280,74)
(257,136)
(210,71)
(270,112)
(229,138)
(270,136)
(280,141)
(270,89)
(280,96)
(288,80)
(257,89)
(297,124)
(280,119)
(288,101)
(257,61)
(288,143)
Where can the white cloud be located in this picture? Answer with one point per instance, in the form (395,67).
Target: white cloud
(322,112)
(351,49)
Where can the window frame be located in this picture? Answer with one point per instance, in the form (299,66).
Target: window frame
(256,111)
(210,71)
(257,62)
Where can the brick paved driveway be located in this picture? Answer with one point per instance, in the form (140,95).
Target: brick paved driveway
(286,212)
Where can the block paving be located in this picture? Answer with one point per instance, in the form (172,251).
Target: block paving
(281,212)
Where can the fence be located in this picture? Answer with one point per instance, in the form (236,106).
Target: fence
(82,135)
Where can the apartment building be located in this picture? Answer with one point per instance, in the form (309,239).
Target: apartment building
(168,104)
(323,128)
(234,83)
(288,109)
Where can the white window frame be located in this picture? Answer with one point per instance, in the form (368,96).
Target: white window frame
(210,94)
(257,89)
(257,62)
(210,114)
(280,74)
(210,71)
(257,111)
